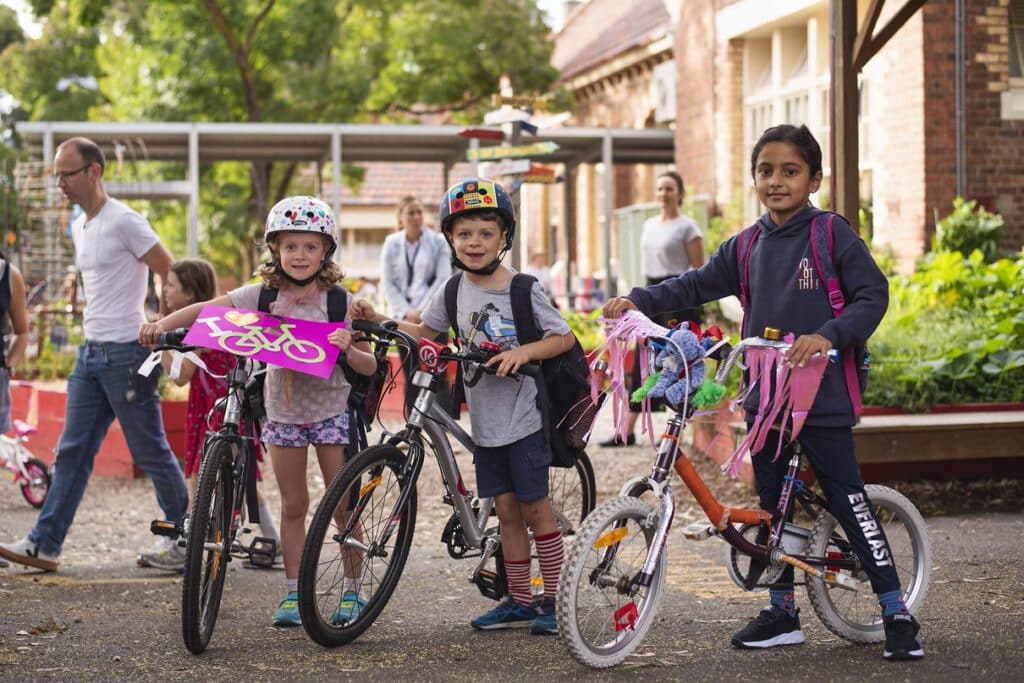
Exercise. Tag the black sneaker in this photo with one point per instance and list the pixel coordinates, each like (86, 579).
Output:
(902, 638)
(616, 442)
(771, 627)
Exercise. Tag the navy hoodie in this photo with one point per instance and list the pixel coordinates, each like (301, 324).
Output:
(784, 292)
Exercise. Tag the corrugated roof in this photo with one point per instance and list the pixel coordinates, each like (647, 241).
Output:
(387, 182)
(603, 29)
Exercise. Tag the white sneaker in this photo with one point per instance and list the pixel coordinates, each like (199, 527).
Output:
(167, 556)
(27, 553)
(159, 545)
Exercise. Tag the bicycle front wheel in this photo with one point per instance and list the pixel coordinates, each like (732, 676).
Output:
(356, 546)
(206, 552)
(38, 483)
(854, 615)
(603, 611)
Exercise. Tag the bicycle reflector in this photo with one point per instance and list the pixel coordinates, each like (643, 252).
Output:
(429, 353)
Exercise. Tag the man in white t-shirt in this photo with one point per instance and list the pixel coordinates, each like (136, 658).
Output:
(115, 248)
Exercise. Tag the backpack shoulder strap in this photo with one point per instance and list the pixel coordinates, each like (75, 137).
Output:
(521, 294)
(821, 243)
(267, 297)
(744, 248)
(337, 304)
(451, 301)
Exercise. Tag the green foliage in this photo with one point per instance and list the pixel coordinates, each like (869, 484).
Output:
(954, 333)
(585, 327)
(967, 228)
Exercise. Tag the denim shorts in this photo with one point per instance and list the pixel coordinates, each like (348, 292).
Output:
(520, 467)
(332, 431)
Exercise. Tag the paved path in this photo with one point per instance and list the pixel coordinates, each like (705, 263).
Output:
(103, 618)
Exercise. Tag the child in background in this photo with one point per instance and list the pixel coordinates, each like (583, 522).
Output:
(302, 410)
(190, 281)
(784, 292)
(478, 219)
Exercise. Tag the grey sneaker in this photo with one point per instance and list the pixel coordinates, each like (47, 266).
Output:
(27, 553)
(165, 555)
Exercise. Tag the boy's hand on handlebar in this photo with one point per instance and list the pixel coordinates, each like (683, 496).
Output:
(617, 306)
(149, 332)
(363, 310)
(806, 346)
(508, 362)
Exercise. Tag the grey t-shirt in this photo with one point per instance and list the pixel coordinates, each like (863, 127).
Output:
(295, 397)
(502, 410)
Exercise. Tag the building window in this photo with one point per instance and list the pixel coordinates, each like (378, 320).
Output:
(1017, 39)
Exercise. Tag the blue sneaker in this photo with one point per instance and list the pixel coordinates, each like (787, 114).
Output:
(287, 613)
(350, 607)
(546, 623)
(508, 614)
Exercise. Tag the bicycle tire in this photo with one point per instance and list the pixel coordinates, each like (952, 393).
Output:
(37, 471)
(595, 635)
(206, 569)
(573, 494)
(854, 615)
(321, 580)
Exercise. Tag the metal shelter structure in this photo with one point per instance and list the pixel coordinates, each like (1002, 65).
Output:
(196, 143)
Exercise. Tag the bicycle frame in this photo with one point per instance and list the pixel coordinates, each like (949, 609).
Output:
(14, 457)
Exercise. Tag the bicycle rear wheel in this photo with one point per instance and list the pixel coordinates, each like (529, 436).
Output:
(573, 494)
(38, 485)
(603, 615)
(854, 615)
(357, 543)
(206, 552)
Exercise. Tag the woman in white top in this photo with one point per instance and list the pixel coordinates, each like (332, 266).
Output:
(670, 245)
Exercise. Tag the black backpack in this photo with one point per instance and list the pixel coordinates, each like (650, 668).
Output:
(563, 389)
(365, 397)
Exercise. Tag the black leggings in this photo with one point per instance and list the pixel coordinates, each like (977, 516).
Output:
(830, 451)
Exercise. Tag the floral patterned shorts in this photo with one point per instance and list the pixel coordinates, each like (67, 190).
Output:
(332, 431)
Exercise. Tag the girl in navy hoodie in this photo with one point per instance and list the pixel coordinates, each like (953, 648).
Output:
(785, 292)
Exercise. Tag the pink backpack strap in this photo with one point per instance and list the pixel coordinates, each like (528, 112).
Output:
(744, 248)
(820, 241)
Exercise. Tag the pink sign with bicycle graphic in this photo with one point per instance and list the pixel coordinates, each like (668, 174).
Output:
(299, 345)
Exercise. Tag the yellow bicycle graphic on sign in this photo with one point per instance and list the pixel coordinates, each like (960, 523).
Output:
(251, 341)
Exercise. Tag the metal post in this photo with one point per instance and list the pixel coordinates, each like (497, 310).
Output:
(192, 227)
(844, 111)
(336, 182)
(606, 159)
(569, 221)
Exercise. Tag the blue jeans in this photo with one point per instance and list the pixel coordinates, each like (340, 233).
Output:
(105, 384)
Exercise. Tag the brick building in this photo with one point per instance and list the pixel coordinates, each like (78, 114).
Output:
(767, 62)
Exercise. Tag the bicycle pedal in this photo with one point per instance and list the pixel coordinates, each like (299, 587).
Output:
(490, 584)
(161, 527)
(699, 531)
(262, 552)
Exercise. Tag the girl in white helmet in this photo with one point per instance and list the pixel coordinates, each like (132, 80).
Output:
(302, 410)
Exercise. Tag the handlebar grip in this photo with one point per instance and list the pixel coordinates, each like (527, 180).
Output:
(173, 337)
(364, 326)
(530, 370)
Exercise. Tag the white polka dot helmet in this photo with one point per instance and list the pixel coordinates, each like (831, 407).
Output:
(302, 214)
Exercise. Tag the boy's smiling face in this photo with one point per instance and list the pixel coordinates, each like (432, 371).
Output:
(477, 241)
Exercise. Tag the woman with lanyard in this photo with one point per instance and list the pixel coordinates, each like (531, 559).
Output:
(414, 263)
(670, 245)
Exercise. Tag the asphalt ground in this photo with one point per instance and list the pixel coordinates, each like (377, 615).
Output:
(103, 618)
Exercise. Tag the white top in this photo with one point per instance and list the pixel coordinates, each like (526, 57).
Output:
(108, 252)
(663, 246)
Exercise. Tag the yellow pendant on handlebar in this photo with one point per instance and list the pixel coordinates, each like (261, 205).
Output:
(373, 483)
(611, 538)
(772, 334)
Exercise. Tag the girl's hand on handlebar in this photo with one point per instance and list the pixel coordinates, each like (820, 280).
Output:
(806, 346)
(149, 332)
(617, 306)
(508, 362)
(341, 337)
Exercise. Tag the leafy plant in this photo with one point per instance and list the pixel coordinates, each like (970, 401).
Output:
(967, 228)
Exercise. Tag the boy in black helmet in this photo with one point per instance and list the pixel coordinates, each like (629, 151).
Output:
(478, 220)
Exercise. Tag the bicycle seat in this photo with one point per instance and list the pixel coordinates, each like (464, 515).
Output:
(23, 428)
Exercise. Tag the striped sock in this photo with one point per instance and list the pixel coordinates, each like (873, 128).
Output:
(518, 573)
(550, 555)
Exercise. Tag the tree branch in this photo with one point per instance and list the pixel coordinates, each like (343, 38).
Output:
(241, 55)
(256, 23)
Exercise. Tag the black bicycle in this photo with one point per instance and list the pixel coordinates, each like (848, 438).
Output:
(360, 536)
(225, 492)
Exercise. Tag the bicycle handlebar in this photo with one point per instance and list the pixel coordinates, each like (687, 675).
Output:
(389, 330)
(754, 343)
(171, 340)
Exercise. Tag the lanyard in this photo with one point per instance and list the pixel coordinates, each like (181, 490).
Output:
(409, 262)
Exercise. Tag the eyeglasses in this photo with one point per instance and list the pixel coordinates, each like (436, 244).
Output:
(64, 175)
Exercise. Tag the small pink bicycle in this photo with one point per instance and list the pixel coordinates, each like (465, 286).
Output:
(21, 467)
